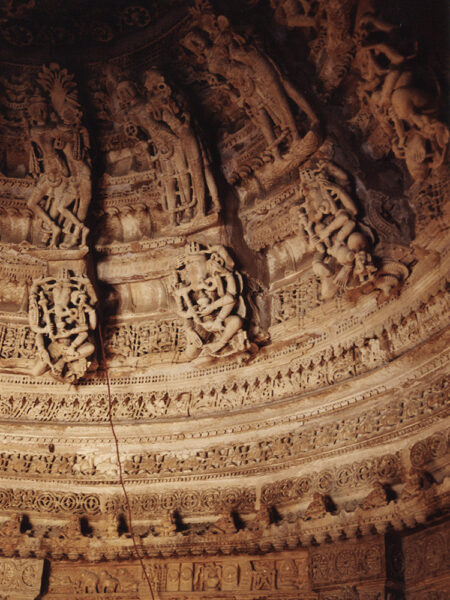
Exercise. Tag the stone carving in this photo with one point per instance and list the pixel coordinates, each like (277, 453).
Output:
(261, 531)
(405, 117)
(429, 198)
(332, 48)
(299, 231)
(103, 24)
(255, 84)
(295, 301)
(328, 217)
(61, 313)
(207, 577)
(376, 498)
(190, 169)
(357, 474)
(208, 292)
(318, 215)
(293, 14)
(429, 450)
(108, 527)
(71, 531)
(426, 562)
(318, 507)
(346, 562)
(225, 524)
(160, 137)
(101, 583)
(17, 342)
(11, 528)
(416, 483)
(20, 578)
(54, 502)
(262, 521)
(304, 374)
(59, 160)
(243, 456)
(218, 577)
(148, 339)
(168, 526)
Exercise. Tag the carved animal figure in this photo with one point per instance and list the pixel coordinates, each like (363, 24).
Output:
(87, 583)
(106, 583)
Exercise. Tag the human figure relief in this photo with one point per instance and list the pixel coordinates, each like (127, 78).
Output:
(208, 577)
(61, 313)
(168, 526)
(329, 218)
(294, 13)
(11, 527)
(208, 294)
(195, 170)
(164, 138)
(333, 49)
(406, 114)
(59, 160)
(317, 508)
(329, 23)
(255, 81)
(62, 193)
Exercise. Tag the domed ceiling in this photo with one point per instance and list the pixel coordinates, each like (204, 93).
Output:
(223, 300)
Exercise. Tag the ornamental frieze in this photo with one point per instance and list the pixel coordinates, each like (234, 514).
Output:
(268, 453)
(310, 373)
(223, 301)
(20, 579)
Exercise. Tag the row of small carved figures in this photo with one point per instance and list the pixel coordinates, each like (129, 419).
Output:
(266, 519)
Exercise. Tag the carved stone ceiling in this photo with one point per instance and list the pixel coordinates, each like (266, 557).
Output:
(51, 23)
(224, 301)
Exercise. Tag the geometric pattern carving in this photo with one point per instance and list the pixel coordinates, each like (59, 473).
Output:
(20, 579)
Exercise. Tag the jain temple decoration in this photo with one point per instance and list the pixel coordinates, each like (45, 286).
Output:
(224, 307)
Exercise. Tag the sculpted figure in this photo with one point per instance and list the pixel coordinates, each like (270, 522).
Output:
(225, 524)
(329, 218)
(208, 294)
(71, 530)
(193, 167)
(11, 527)
(87, 582)
(262, 521)
(59, 160)
(168, 526)
(333, 49)
(376, 498)
(61, 313)
(415, 484)
(294, 13)
(164, 138)
(406, 113)
(127, 582)
(208, 577)
(317, 508)
(108, 527)
(107, 584)
(256, 82)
